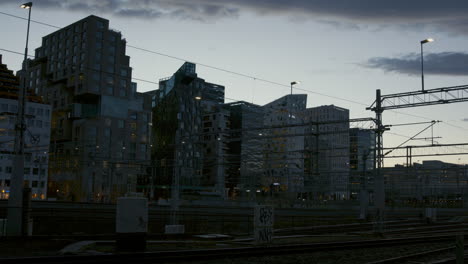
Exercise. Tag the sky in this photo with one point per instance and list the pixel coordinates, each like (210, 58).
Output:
(341, 51)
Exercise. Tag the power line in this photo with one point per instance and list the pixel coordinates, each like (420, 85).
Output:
(226, 71)
(209, 66)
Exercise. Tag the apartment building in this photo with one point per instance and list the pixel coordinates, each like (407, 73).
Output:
(100, 123)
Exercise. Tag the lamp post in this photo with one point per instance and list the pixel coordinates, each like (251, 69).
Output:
(292, 84)
(15, 221)
(422, 60)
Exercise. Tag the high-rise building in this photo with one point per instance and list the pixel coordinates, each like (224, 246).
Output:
(283, 143)
(187, 134)
(100, 123)
(327, 152)
(361, 160)
(244, 154)
(37, 136)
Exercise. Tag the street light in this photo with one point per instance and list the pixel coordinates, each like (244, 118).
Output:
(15, 217)
(27, 5)
(294, 83)
(422, 60)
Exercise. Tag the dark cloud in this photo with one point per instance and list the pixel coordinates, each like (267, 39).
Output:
(465, 119)
(448, 15)
(444, 63)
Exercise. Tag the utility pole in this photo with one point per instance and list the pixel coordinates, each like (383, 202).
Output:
(175, 190)
(379, 178)
(15, 201)
(364, 195)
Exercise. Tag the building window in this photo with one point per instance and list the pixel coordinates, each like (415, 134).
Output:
(107, 132)
(143, 148)
(96, 76)
(123, 92)
(123, 83)
(124, 72)
(100, 24)
(13, 108)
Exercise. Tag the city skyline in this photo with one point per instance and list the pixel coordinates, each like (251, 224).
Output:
(326, 50)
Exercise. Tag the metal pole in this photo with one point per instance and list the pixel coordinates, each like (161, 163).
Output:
(15, 200)
(175, 196)
(363, 194)
(460, 248)
(422, 68)
(379, 178)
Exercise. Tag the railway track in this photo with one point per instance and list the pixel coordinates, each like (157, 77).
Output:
(229, 253)
(415, 256)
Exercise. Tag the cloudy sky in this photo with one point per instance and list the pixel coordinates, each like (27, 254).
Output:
(340, 50)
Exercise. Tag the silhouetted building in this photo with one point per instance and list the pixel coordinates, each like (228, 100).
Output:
(327, 152)
(37, 136)
(184, 144)
(99, 142)
(283, 143)
(361, 160)
(429, 181)
(244, 155)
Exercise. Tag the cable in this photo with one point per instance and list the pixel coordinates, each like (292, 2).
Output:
(231, 72)
(219, 69)
(34, 21)
(208, 66)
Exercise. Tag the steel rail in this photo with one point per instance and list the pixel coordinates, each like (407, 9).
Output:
(209, 254)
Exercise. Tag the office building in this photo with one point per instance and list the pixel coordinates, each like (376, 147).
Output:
(283, 143)
(188, 135)
(361, 160)
(244, 155)
(327, 152)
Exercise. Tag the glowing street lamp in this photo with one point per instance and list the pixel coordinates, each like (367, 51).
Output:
(294, 83)
(422, 60)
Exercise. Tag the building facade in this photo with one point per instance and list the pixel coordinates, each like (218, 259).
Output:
(327, 152)
(244, 154)
(37, 136)
(361, 160)
(188, 135)
(283, 143)
(100, 123)
(429, 182)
